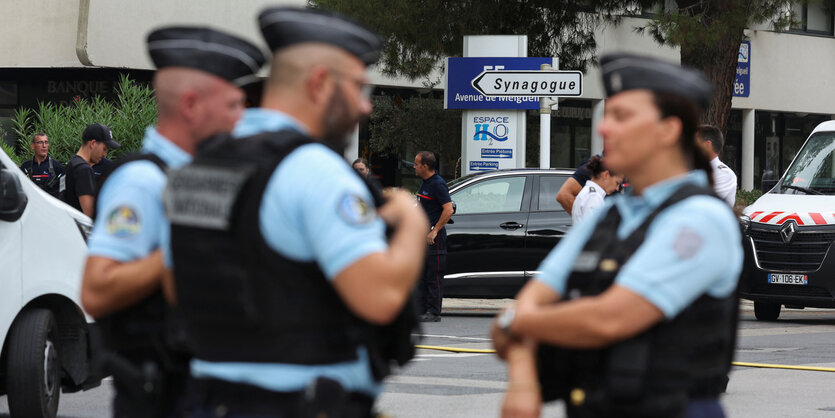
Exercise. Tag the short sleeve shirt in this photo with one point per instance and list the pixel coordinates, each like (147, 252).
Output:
(589, 199)
(724, 181)
(690, 249)
(433, 194)
(131, 223)
(314, 208)
(79, 180)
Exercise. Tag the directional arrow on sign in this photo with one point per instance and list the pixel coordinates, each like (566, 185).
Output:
(530, 83)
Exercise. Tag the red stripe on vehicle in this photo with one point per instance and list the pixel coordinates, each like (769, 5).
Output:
(792, 216)
(770, 216)
(755, 214)
(818, 218)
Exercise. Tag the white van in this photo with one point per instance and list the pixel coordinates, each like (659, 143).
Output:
(790, 231)
(42, 326)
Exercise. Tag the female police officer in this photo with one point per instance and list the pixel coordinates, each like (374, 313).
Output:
(644, 319)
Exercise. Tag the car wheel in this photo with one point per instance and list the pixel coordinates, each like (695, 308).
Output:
(766, 311)
(33, 379)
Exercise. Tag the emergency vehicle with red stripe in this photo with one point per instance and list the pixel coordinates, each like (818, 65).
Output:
(789, 233)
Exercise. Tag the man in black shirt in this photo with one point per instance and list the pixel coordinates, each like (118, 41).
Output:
(433, 195)
(79, 189)
(43, 169)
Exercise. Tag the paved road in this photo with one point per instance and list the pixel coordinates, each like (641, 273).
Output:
(438, 383)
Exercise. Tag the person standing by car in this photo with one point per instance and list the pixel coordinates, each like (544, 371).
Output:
(433, 196)
(197, 97)
(572, 186)
(79, 179)
(634, 311)
(601, 184)
(43, 169)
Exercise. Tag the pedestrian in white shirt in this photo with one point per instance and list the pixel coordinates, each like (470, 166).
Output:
(602, 183)
(710, 140)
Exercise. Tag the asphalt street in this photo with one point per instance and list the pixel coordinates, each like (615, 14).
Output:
(440, 384)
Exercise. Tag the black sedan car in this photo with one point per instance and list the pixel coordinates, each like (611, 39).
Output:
(506, 222)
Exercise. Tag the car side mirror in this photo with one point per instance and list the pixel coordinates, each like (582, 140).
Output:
(12, 199)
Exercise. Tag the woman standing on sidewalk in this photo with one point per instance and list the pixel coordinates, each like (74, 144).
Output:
(634, 311)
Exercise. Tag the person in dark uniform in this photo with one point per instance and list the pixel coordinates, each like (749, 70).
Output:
(101, 170)
(634, 312)
(43, 169)
(79, 183)
(197, 96)
(291, 296)
(433, 196)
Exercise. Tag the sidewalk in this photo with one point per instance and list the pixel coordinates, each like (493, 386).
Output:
(489, 307)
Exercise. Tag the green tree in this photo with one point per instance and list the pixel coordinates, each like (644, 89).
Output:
(127, 116)
(419, 34)
(405, 126)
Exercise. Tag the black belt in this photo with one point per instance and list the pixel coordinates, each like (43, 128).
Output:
(241, 398)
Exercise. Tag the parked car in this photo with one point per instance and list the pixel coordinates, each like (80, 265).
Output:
(43, 330)
(790, 231)
(506, 222)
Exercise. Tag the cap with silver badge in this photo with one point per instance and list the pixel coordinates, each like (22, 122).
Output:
(100, 133)
(623, 72)
(223, 55)
(286, 26)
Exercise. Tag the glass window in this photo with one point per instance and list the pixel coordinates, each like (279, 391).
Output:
(496, 195)
(548, 188)
(8, 94)
(818, 20)
(813, 171)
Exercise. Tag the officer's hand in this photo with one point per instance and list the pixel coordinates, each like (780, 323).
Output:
(501, 341)
(430, 238)
(522, 401)
(399, 205)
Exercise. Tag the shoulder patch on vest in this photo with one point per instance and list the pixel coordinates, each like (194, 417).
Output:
(354, 210)
(687, 243)
(123, 222)
(592, 189)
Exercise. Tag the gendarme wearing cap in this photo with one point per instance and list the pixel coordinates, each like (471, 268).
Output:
(131, 223)
(622, 72)
(226, 56)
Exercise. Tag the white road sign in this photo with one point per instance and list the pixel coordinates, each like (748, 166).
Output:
(530, 83)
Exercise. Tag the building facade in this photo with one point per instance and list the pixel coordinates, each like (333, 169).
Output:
(56, 50)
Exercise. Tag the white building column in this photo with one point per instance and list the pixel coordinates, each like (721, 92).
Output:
(352, 151)
(597, 107)
(747, 170)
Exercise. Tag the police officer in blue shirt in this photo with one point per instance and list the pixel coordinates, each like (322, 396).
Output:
(281, 266)
(197, 96)
(635, 311)
(43, 169)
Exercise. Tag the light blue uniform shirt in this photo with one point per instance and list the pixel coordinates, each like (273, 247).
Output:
(130, 221)
(691, 248)
(307, 214)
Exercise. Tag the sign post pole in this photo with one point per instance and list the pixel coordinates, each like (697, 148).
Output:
(545, 107)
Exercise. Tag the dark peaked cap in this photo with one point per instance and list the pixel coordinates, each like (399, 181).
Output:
(623, 72)
(201, 48)
(285, 26)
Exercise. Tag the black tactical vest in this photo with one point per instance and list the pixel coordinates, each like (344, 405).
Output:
(138, 332)
(241, 300)
(656, 373)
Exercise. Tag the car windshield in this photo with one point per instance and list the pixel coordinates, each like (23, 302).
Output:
(813, 171)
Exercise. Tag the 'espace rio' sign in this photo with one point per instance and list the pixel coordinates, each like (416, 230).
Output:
(460, 72)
